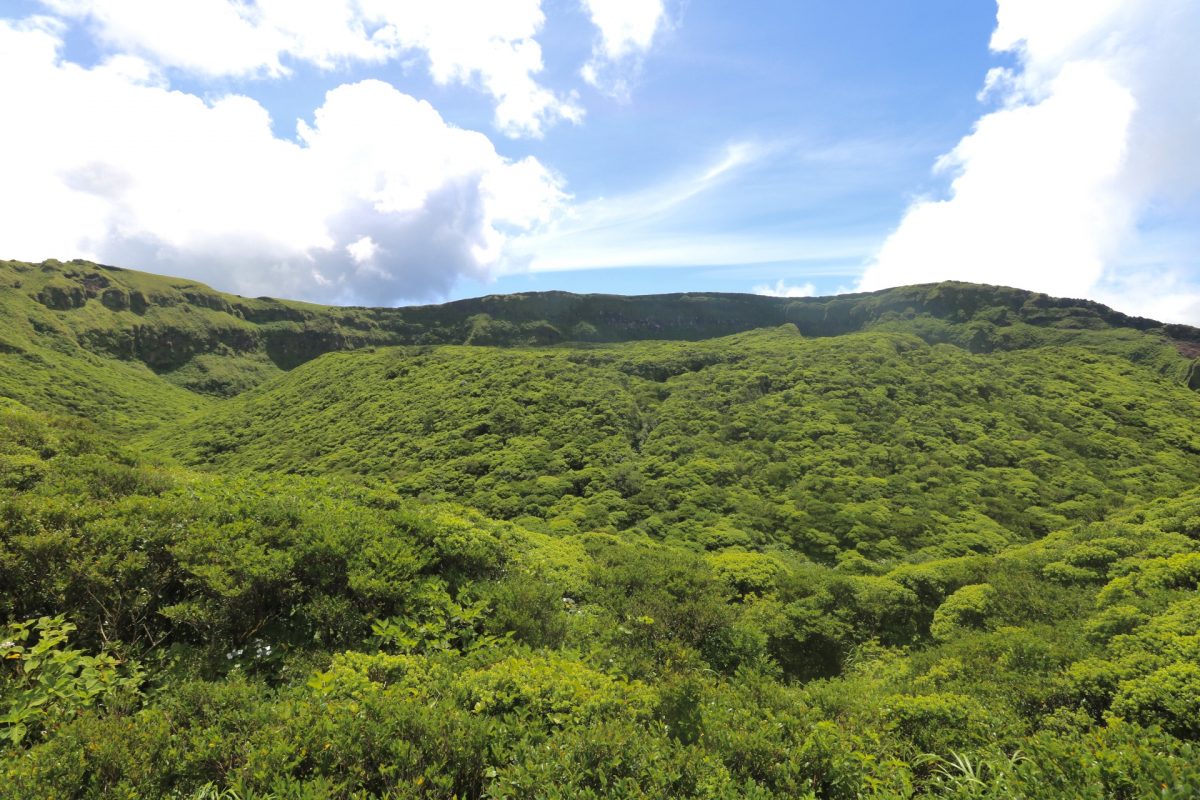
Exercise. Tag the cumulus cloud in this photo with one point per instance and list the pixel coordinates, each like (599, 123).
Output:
(782, 289)
(1093, 134)
(625, 32)
(473, 42)
(377, 199)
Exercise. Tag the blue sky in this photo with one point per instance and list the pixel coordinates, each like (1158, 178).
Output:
(476, 146)
(852, 100)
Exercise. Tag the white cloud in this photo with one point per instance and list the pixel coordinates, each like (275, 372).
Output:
(1095, 132)
(378, 199)
(363, 250)
(781, 289)
(626, 26)
(626, 30)
(480, 42)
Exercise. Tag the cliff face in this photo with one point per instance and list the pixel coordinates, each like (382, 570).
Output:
(204, 340)
(218, 343)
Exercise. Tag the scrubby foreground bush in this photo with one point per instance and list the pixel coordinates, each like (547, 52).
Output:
(175, 634)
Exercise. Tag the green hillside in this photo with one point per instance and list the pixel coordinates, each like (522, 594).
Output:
(873, 442)
(222, 344)
(938, 541)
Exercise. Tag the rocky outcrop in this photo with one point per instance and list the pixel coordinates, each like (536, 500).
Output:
(62, 296)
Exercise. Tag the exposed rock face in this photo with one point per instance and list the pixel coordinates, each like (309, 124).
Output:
(291, 348)
(62, 297)
(166, 347)
(115, 299)
(211, 301)
(73, 290)
(94, 283)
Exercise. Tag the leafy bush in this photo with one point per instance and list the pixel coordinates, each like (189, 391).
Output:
(967, 608)
(46, 682)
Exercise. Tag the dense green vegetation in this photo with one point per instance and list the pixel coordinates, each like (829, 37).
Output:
(942, 542)
(220, 344)
(875, 443)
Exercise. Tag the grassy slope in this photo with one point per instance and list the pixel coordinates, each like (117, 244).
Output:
(44, 366)
(1056, 411)
(221, 344)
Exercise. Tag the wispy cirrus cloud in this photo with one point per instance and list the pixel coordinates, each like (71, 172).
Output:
(688, 220)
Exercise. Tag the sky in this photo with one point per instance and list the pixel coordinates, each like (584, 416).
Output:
(384, 152)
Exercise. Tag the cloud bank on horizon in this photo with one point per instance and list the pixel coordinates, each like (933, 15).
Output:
(1095, 133)
(143, 144)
